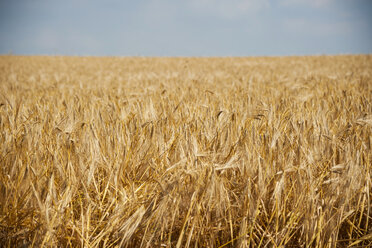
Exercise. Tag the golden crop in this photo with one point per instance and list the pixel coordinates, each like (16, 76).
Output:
(186, 152)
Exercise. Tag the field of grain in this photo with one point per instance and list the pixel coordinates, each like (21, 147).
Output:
(186, 152)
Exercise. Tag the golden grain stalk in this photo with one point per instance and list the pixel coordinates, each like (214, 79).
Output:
(223, 152)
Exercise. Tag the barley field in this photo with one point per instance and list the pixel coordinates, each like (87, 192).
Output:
(186, 152)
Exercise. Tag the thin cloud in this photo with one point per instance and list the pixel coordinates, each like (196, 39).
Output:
(229, 8)
(312, 3)
(52, 41)
(317, 28)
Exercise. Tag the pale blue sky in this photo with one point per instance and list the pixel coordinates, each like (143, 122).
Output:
(185, 27)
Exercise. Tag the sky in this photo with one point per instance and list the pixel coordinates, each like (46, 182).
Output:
(185, 27)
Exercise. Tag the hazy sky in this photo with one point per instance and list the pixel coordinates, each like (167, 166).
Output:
(185, 27)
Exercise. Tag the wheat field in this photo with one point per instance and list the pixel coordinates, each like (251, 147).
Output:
(186, 152)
